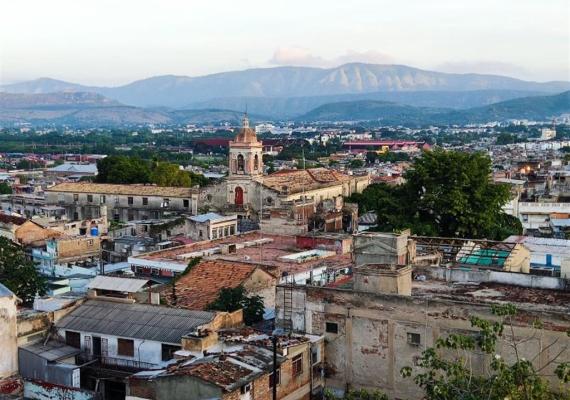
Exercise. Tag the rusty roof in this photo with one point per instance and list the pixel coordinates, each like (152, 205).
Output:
(11, 219)
(220, 372)
(200, 287)
(295, 181)
(135, 190)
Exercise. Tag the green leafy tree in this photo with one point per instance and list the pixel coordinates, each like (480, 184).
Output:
(356, 164)
(447, 371)
(446, 193)
(122, 170)
(371, 157)
(232, 299)
(5, 188)
(19, 274)
(167, 174)
(361, 394)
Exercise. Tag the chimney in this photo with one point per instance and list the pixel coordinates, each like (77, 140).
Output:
(383, 279)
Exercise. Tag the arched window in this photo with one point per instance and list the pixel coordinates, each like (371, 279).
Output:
(240, 163)
(256, 162)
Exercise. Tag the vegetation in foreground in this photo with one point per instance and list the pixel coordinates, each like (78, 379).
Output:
(19, 274)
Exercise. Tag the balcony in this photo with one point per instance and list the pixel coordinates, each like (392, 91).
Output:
(114, 364)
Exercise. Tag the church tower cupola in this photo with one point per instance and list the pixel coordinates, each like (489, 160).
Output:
(245, 163)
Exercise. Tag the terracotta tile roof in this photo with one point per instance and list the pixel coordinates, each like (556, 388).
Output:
(136, 190)
(294, 181)
(201, 285)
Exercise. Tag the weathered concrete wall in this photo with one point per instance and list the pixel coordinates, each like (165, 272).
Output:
(46, 391)
(510, 278)
(8, 336)
(78, 247)
(173, 388)
(373, 339)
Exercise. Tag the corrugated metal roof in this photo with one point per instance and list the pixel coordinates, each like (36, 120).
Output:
(52, 351)
(211, 216)
(139, 321)
(70, 167)
(117, 284)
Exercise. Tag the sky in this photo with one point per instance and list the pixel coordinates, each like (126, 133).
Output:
(103, 42)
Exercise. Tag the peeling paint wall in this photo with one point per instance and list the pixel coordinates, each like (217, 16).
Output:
(8, 337)
(46, 391)
(373, 339)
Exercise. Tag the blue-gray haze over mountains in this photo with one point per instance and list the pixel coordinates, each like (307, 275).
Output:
(271, 93)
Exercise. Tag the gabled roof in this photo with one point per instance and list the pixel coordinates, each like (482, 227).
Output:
(77, 168)
(139, 321)
(201, 285)
(5, 292)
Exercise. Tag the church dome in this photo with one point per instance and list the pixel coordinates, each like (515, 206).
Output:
(246, 134)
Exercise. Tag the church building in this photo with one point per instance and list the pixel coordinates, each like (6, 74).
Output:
(247, 190)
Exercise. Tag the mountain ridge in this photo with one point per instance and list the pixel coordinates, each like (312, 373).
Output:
(179, 91)
(534, 108)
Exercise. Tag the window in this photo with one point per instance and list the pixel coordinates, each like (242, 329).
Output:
(297, 365)
(232, 230)
(186, 203)
(245, 388)
(75, 197)
(165, 202)
(414, 339)
(125, 347)
(73, 339)
(102, 199)
(61, 198)
(214, 233)
(130, 201)
(168, 351)
(90, 198)
(276, 379)
(240, 163)
(256, 162)
(331, 327)
(116, 199)
(145, 201)
(90, 243)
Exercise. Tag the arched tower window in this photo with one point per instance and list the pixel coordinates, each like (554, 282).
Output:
(240, 163)
(256, 162)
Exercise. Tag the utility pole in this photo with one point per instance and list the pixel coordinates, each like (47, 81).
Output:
(274, 341)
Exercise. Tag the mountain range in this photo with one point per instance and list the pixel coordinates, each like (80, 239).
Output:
(387, 113)
(274, 93)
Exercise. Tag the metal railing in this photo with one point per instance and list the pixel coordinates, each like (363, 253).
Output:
(116, 363)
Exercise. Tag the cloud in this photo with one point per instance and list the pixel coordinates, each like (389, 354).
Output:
(296, 56)
(299, 56)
